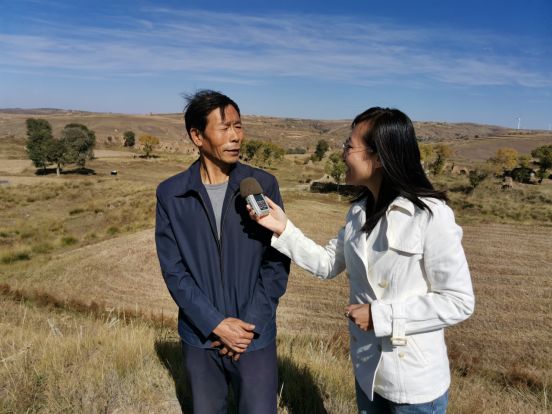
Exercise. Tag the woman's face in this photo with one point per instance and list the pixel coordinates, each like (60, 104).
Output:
(363, 164)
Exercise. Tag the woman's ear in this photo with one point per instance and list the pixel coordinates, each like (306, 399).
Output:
(195, 135)
(377, 161)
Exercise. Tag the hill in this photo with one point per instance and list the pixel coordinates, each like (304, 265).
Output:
(286, 132)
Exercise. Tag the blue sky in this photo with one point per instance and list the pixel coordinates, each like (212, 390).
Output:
(478, 61)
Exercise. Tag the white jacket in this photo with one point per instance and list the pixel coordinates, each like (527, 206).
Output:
(413, 271)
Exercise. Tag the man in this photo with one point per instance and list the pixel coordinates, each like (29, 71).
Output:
(219, 267)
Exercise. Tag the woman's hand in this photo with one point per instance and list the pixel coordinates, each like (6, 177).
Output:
(275, 221)
(361, 315)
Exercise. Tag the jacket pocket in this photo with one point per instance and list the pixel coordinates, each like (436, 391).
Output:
(418, 353)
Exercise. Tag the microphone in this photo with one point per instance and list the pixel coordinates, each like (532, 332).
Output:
(251, 190)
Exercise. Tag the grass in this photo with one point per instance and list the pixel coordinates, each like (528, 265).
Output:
(88, 324)
(12, 257)
(57, 361)
(500, 357)
(524, 203)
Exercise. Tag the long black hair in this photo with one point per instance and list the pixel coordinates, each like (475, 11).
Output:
(391, 135)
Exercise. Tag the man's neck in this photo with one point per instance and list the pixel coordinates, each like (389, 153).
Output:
(212, 173)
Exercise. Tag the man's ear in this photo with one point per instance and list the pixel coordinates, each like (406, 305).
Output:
(196, 137)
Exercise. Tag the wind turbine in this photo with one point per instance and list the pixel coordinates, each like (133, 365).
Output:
(519, 122)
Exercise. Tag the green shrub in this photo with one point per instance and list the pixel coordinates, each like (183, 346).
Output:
(112, 230)
(15, 257)
(43, 247)
(68, 241)
(91, 236)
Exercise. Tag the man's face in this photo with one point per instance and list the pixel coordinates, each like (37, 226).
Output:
(220, 141)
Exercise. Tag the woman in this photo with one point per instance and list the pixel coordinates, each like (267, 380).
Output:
(407, 270)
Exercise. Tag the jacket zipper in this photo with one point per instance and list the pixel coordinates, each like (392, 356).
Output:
(218, 239)
(223, 215)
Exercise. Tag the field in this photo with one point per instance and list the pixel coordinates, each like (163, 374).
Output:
(88, 325)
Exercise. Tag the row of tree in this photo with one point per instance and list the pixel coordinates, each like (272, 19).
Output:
(434, 157)
(75, 145)
(508, 159)
(148, 142)
(261, 152)
(508, 162)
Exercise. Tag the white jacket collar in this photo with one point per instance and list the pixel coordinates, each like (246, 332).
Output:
(402, 203)
(403, 227)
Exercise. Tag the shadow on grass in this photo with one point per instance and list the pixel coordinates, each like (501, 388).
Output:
(76, 171)
(300, 394)
(169, 353)
(465, 189)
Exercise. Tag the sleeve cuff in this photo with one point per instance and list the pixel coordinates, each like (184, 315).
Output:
(209, 325)
(381, 318)
(281, 241)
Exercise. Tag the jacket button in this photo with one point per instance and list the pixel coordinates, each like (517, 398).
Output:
(401, 354)
(383, 284)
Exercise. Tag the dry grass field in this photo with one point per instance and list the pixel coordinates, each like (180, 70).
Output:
(88, 325)
(477, 150)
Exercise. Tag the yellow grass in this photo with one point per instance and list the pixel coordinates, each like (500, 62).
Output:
(54, 361)
(92, 259)
(501, 357)
(14, 166)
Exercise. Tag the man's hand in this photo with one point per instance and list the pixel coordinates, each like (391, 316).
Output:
(224, 351)
(361, 315)
(235, 334)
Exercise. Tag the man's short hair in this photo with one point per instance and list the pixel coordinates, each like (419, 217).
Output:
(201, 104)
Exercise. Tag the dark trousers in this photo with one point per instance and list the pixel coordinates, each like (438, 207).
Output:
(254, 380)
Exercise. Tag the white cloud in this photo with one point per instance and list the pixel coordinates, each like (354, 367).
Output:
(249, 49)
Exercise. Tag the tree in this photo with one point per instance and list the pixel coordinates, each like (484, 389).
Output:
(522, 174)
(148, 142)
(271, 152)
(321, 148)
(476, 177)
(505, 159)
(39, 136)
(261, 152)
(129, 139)
(250, 148)
(543, 156)
(57, 154)
(524, 160)
(79, 144)
(335, 167)
(443, 152)
(434, 156)
(427, 155)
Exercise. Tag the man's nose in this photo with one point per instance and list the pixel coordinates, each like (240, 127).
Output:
(235, 135)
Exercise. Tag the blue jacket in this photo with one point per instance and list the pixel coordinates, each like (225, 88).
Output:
(210, 279)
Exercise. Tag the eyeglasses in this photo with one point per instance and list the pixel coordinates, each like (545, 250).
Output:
(348, 147)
